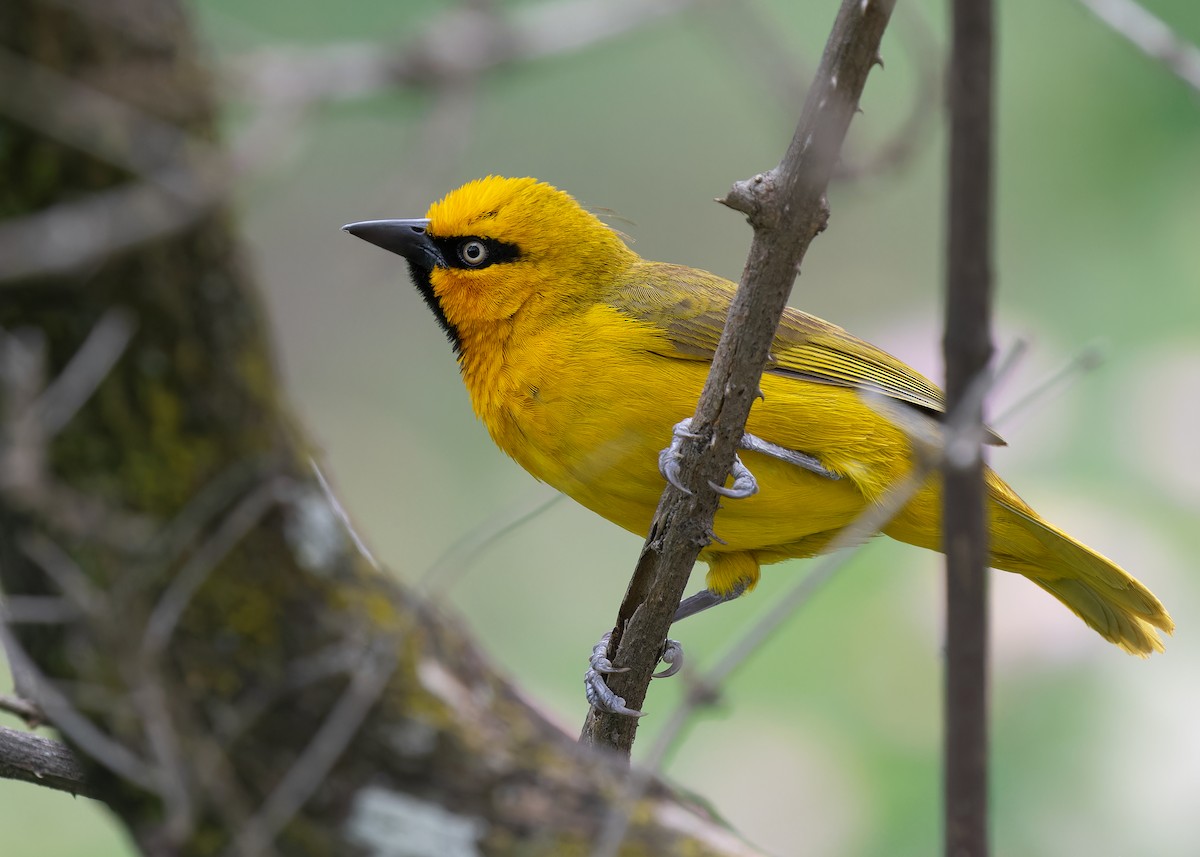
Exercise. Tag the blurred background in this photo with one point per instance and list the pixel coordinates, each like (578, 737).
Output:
(827, 742)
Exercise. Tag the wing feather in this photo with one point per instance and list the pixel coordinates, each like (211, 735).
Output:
(690, 307)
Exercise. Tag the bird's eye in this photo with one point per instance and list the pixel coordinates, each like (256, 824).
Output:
(473, 253)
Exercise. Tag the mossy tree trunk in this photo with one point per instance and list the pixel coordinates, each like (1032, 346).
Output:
(234, 676)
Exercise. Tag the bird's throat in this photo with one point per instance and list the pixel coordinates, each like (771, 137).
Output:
(482, 353)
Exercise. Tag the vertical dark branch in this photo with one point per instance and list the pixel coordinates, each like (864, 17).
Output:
(967, 347)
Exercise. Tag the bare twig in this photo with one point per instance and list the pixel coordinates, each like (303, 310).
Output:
(240, 521)
(458, 45)
(968, 348)
(33, 412)
(148, 697)
(69, 720)
(1085, 361)
(342, 515)
(19, 706)
(22, 440)
(448, 568)
(177, 176)
(67, 576)
(179, 179)
(37, 610)
(90, 365)
(71, 235)
(787, 209)
(64, 109)
(305, 776)
(41, 761)
(1150, 35)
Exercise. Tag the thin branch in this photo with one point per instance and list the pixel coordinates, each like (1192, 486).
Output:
(1150, 35)
(19, 706)
(59, 567)
(1088, 359)
(32, 759)
(109, 129)
(208, 555)
(179, 179)
(343, 516)
(89, 366)
(69, 720)
(968, 348)
(71, 235)
(461, 44)
(307, 773)
(787, 209)
(448, 569)
(32, 408)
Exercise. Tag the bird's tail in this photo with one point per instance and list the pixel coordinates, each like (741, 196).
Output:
(1097, 590)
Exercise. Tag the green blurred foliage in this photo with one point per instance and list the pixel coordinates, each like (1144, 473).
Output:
(827, 742)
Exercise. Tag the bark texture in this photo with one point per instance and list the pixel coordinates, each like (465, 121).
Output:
(233, 676)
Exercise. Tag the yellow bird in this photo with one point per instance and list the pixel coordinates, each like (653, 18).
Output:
(580, 357)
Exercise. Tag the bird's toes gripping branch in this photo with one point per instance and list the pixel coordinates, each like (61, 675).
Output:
(744, 484)
(598, 693)
(669, 458)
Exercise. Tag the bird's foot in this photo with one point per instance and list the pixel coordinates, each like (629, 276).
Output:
(597, 691)
(601, 697)
(744, 484)
(703, 600)
(672, 656)
(754, 443)
(669, 458)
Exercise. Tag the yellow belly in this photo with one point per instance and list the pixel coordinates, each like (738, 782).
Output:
(594, 432)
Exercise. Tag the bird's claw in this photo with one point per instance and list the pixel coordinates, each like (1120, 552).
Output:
(599, 660)
(669, 458)
(672, 656)
(744, 484)
(599, 695)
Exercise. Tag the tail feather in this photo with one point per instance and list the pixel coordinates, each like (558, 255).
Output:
(1135, 634)
(1097, 590)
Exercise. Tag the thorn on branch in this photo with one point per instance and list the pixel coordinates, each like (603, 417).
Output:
(752, 198)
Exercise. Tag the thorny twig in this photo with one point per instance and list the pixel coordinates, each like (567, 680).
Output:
(787, 209)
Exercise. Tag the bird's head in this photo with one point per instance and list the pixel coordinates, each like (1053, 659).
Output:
(497, 246)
